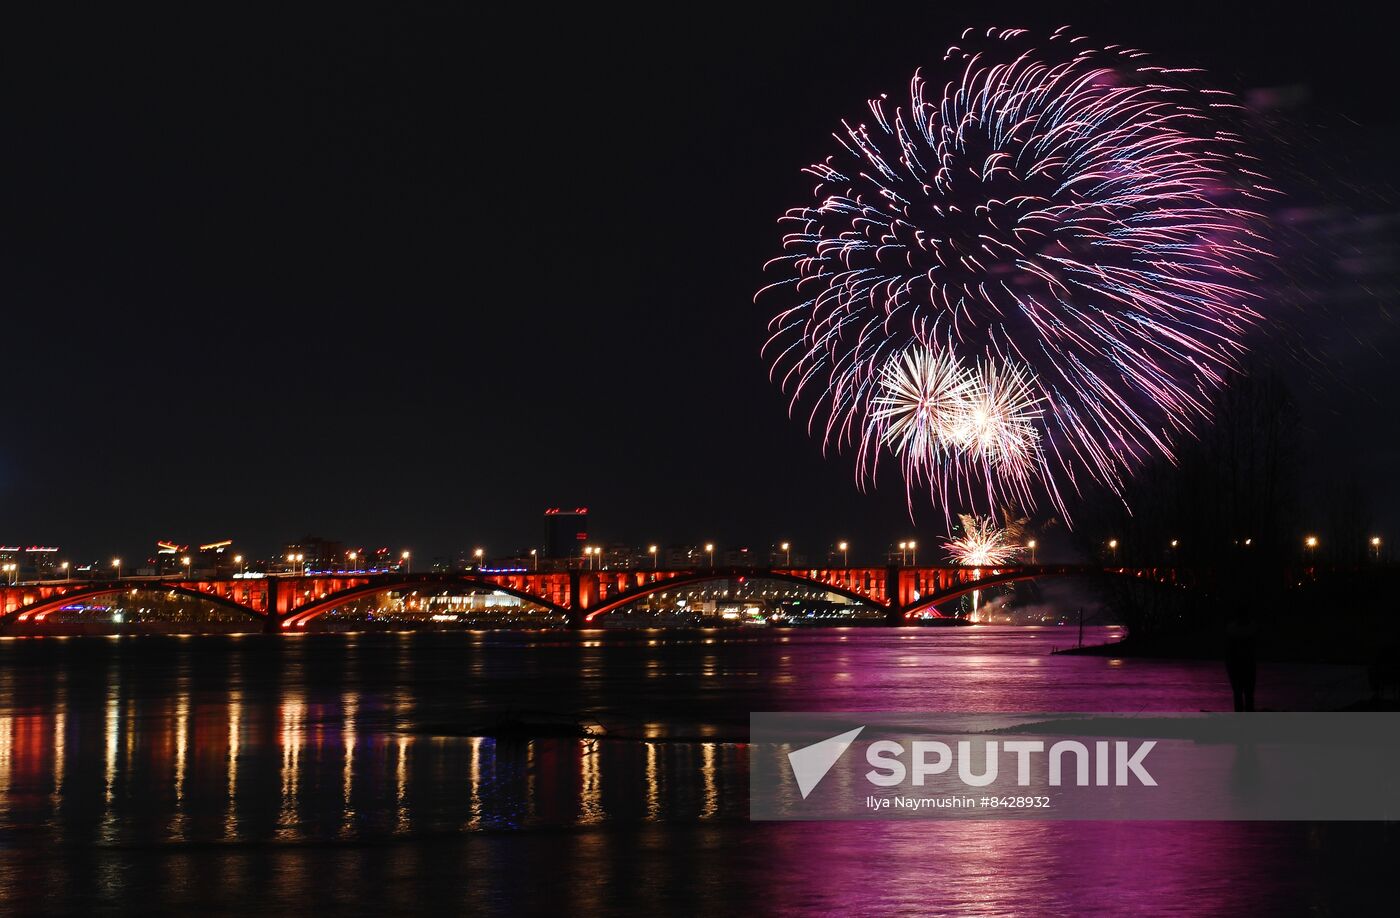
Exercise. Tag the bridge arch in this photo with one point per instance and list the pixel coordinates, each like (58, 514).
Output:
(616, 602)
(299, 616)
(998, 577)
(38, 610)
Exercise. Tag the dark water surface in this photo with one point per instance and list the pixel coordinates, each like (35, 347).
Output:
(285, 774)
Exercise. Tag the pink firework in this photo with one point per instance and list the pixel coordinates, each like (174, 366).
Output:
(1037, 278)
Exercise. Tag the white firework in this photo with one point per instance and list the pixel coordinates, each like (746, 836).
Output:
(923, 400)
(943, 420)
(983, 543)
(998, 425)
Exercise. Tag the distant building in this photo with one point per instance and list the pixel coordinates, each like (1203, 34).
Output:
(738, 557)
(311, 554)
(32, 562)
(382, 559)
(167, 560)
(566, 533)
(216, 559)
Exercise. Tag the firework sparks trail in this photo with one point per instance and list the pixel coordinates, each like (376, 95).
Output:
(1035, 280)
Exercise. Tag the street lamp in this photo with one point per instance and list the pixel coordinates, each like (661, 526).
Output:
(1031, 546)
(845, 554)
(710, 548)
(479, 554)
(651, 550)
(117, 563)
(588, 555)
(914, 552)
(185, 563)
(787, 552)
(903, 552)
(238, 559)
(64, 567)
(1113, 548)
(1376, 547)
(407, 558)
(1310, 543)
(535, 558)
(352, 557)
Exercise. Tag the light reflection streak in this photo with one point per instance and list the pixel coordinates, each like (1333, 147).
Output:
(182, 737)
(474, 777)
(530, 795)
(590, 794)
(350, 703)
(293, 728)
(60, 748)
(111, 739)
(401, 785)
(235, 729)
(708, 774)
(7, 744)
(653, 783)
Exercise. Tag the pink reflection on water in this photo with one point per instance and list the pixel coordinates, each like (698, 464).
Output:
(1036, 868)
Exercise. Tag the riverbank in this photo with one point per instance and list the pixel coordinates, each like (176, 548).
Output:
(1285, 646)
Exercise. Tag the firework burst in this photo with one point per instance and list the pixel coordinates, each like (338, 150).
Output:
(1035, 279)
(983, 543)
(921, 408)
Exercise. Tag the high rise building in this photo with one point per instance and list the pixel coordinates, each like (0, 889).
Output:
(566, 531)
(313, 554)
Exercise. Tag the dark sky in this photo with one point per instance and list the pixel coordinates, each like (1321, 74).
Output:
(407, 280)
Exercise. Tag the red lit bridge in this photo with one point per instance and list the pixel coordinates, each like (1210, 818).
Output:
(289, 602)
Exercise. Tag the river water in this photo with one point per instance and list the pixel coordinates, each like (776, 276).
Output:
(350, 771)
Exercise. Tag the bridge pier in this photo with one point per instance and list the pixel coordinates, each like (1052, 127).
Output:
(272, 615)
(578, 601)
(894, 607)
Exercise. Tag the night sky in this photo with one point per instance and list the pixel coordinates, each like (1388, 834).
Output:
(409, 280)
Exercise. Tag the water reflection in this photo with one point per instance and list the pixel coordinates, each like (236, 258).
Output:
(189, 770)
(235, 727)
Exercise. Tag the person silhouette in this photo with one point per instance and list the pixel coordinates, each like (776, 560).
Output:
(1240, 654)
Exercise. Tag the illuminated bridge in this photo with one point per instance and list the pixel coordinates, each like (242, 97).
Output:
(289, 602)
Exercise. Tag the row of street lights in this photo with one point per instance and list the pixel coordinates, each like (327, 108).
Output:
(593, 556)
(299, 558)
(294, 559)
(1310, 544)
